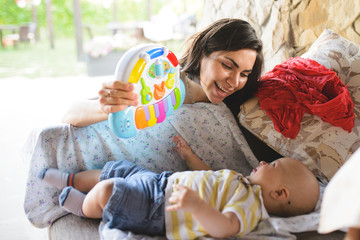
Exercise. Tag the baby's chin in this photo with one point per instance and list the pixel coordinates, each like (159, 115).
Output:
(249, 178)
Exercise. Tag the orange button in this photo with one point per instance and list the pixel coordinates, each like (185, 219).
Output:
(140, 118)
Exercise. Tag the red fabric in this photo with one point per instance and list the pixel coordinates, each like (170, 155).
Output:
(302, 85)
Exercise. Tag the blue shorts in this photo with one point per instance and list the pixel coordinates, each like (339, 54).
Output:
(137, 200)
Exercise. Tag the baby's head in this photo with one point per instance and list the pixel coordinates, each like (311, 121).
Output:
(288, 187)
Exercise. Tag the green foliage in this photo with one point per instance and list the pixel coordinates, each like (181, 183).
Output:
(39, 60)
(35, 60)
(93, 13)
(10, 13)
(63, 20)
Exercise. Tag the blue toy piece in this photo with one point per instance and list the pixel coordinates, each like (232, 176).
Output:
(155, 72)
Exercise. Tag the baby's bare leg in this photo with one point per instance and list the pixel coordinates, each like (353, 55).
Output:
(96, 200)
(86, 180)
(83, 181)
(90, 205)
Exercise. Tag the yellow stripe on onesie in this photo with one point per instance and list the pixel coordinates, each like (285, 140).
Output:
(188, 217)
(226, 186)
(255, 210)
(203, 187)
(247, 207)
(175, 226)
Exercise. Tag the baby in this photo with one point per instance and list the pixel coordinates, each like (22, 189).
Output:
(188, 204)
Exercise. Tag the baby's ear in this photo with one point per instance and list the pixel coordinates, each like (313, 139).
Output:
(281, 193)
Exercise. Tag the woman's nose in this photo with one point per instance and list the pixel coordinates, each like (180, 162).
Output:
(263, 163)
(237, 81)
(234, 81)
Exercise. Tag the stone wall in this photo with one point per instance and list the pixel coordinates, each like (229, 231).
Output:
(288, 27)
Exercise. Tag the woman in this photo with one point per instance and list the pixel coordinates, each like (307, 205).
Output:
(221, 63)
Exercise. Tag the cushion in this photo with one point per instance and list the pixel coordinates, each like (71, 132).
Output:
(321, 146)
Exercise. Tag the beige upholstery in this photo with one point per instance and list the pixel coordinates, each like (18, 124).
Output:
(71, 227)
(74, 227)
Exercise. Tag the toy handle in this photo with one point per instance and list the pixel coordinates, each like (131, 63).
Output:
(122, 123)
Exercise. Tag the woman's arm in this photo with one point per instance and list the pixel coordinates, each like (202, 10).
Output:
(217, 224)
(185, 152)
(84, 113)
(114, 96)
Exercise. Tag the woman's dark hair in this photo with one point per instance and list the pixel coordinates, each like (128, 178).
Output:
(225, 35)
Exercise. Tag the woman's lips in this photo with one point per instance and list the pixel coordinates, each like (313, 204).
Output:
(221, 88)
(221, 91)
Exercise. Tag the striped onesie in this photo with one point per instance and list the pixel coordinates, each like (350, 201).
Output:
(224, 190)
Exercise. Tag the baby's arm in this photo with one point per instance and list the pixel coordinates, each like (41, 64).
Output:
(217, 224)
(185, 152)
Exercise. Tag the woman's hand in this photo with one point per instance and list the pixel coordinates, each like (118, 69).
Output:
(116, 96)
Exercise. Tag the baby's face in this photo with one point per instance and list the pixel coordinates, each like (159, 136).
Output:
(291, 174)
(270, 173)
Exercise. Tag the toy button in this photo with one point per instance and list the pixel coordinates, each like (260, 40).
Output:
(145, 92)
(151, 71)
(156, 52)
(140, 118)
(137, 71)
(172, 58)
(159, 90)
(170, 80)
(160, 110)
(166, 66)
(173, 99)
(178, 98)
(152, 119)
(147, 113)
(159, 69)
(165, 104)
(170, 107)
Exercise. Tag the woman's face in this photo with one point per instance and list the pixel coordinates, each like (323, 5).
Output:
(223, 73)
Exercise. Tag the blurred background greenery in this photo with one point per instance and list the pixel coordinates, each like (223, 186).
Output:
(38, 59)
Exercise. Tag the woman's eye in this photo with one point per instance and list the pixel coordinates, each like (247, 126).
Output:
(244, 75)
(226, 66)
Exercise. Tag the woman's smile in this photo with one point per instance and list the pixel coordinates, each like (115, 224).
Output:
(222, 92)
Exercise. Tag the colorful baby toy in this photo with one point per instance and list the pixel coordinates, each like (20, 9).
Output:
(155, 72)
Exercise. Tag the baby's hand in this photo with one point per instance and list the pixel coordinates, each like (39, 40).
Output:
(186, 154)
(183, 198)
(182, 148)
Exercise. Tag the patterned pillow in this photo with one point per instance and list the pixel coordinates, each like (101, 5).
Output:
(321, 146)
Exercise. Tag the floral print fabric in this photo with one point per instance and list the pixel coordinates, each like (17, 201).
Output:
(210, 130)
